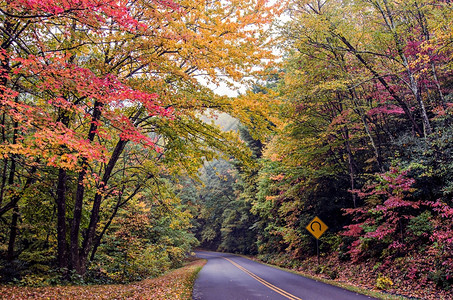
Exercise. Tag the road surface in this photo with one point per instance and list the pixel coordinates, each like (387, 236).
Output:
(231, 277)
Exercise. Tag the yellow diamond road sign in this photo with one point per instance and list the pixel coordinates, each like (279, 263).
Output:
(316, 227)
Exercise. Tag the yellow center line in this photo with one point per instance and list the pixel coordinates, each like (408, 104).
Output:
(259, 279)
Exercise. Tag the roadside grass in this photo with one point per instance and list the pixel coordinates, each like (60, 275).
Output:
(175, 285)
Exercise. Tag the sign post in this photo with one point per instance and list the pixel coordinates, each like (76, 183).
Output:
(317, 227)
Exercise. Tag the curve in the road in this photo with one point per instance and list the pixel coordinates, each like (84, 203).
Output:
(262, 281)
(230, 277)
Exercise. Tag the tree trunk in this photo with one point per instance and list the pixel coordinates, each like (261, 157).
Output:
(5, 162)
(377, 153)
(12, 233)
(413, 84)
(94, 218)
(13, 227)
(98, 238)
(62, 245)
(61, 219)
(363, 117)
(75, 225)
(350, 165)
(78, 203)
(120, 202)
(3, 183)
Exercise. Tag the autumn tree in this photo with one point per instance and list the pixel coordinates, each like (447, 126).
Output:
(83, 82)
(362, 81)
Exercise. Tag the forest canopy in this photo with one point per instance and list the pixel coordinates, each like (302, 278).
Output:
(101, 115)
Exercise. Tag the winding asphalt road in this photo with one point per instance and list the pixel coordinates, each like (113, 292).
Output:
(231, 277)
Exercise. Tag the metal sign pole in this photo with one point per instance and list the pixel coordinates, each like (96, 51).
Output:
(317, 249)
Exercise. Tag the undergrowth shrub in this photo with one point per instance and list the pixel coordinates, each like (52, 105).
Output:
(383, 282)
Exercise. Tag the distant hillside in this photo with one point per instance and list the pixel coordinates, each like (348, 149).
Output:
(224, 120)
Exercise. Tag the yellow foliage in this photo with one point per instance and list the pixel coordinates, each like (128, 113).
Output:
(383, 282)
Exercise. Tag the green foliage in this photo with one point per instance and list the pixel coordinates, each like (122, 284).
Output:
(430, 161)
(442, 278)
(238, 235)
(150, 235)
(224, 221)
(421, 226)
(330, 242)
(147, 238)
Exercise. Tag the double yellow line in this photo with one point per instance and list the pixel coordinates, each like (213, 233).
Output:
(260, 280)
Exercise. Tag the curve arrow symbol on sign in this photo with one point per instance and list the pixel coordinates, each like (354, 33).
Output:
(315, 222)
(316, 227)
